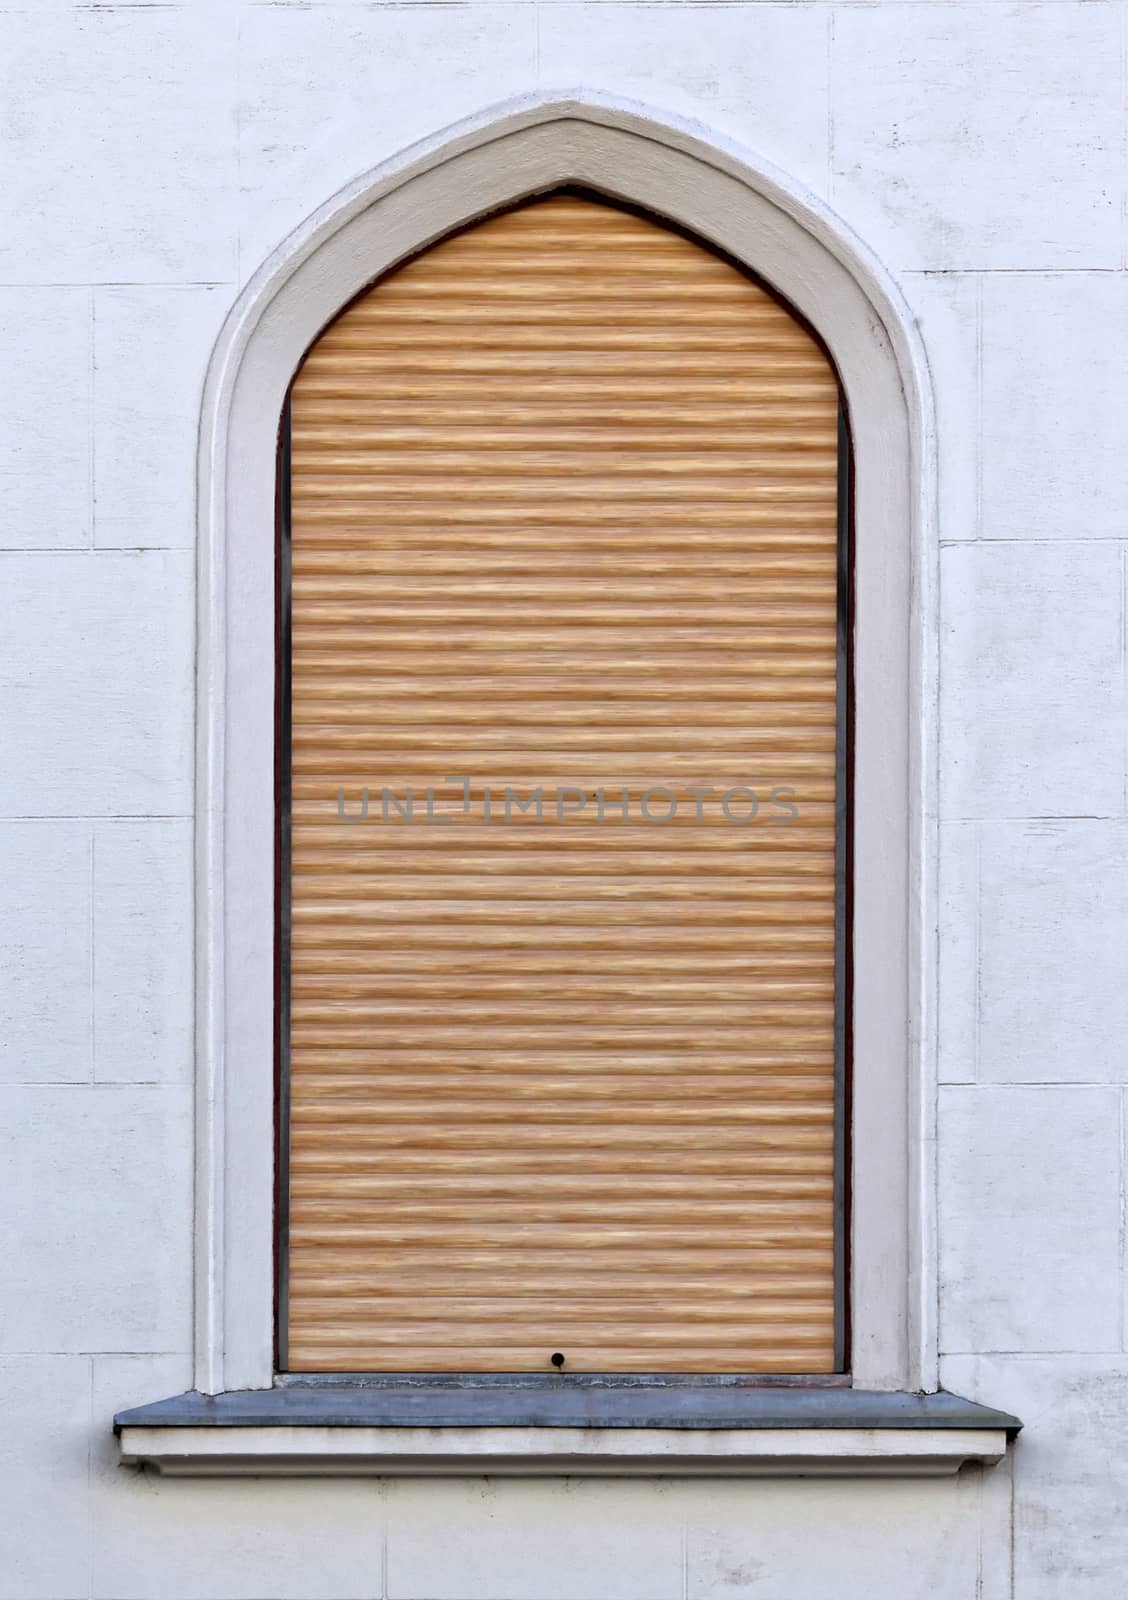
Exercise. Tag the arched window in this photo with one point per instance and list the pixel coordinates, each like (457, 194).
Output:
(563, 844)
(436, 562)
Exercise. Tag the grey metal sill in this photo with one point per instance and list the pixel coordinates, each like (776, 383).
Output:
(578, 1424)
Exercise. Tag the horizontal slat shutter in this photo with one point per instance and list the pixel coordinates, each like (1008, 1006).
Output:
(564, 512)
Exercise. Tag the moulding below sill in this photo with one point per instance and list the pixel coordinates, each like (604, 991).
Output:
(377, 1430)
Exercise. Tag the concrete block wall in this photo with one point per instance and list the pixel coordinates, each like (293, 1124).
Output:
(155, 153)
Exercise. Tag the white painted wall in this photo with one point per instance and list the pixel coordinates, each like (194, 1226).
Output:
(155, 154)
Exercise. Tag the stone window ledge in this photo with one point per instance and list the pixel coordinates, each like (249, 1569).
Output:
(576, 1425)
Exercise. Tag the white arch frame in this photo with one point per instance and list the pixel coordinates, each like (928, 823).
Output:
(793, 241)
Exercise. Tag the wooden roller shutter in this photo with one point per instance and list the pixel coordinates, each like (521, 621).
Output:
(564, 513)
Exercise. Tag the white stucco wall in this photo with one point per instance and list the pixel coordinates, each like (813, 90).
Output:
(155, 153)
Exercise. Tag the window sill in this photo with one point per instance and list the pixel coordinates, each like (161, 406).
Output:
(569, 1425)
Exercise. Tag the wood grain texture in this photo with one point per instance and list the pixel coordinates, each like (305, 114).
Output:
(564, 514)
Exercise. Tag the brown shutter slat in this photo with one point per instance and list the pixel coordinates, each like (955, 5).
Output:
(564, 512)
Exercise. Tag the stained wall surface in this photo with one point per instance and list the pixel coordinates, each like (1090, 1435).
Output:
(156, 154)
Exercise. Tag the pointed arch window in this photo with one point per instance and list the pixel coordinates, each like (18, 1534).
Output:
(572, 1024)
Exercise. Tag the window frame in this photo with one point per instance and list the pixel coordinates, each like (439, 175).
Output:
(808, 257)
